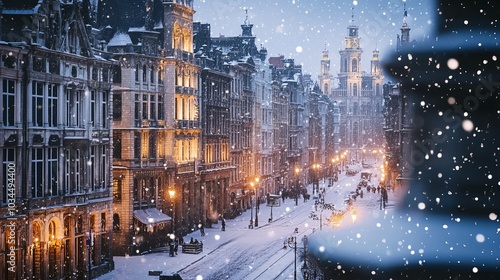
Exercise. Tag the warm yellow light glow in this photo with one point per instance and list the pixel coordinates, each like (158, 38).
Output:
(171, 193)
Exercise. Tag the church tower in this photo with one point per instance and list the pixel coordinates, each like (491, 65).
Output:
(350, 61)
(248, 40)
(325, 79)
(359, 99)
(405, 31)
(375, 63)
(178, 26)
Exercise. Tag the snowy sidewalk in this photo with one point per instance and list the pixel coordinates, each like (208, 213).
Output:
(138, 267)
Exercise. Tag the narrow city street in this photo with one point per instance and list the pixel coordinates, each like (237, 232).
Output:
(264, 251)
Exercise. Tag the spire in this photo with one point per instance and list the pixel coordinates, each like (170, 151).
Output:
(405, 30)
(405, 15)
(353, 29)
(246, 26)
(352, 15)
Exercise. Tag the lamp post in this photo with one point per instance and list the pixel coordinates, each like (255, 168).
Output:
(257, 202)
(305, 269)
(292, 243)
(316, 178)
(90, 253)
(171, 193)
(251, 207)
(271, 218)
(297, 170)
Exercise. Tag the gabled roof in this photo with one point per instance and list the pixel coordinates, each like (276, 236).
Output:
(120, 39)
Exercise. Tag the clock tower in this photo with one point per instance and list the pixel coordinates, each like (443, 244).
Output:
(325, 78)
(350, 61)
(359, 99)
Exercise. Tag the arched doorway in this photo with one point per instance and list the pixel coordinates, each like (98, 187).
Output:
(54, 250)
(68, 244)
(37, 251)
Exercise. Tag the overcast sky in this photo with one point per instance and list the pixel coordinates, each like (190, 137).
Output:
(301, 29)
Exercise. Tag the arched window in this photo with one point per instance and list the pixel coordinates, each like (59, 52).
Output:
(160, 75)
(344, 68)
(354, 65)
(37, 232)
(355, 89)
(176, 39)
(355, 133)
(186, 40)
(152, 75)
(116, 222)
(377, 89)
(37, 238)
(52, 230)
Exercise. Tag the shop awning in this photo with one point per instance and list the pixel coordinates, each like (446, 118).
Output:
(151, 216)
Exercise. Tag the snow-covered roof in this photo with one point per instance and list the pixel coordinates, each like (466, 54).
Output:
(135, 29)
(120, 39)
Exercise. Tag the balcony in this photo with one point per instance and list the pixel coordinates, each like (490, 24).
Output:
(68, 200)
(76, 133)
(181, 55)
(187, 124)
(184, 90)
(185, 168)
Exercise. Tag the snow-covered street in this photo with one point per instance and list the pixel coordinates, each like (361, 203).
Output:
(259, 253)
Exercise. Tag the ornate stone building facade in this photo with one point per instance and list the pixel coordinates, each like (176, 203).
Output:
(215, 108)
(55, 137)
(359, 98)
(242, 58)
(156, 184)
(398, 124)
(289, 77)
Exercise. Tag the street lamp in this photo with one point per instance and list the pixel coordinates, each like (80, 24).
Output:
(297, 170)
(171, 193)
(257, 202)
(305, 269)
(251, 206)
(271, 218)
(90, 244)
(354, 216)
(292, 243)
(316, 178)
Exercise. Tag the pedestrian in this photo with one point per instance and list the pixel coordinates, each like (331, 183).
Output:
(202, 228)
(171, 247)
(223, 224)
(176, 245)
(191, 241)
